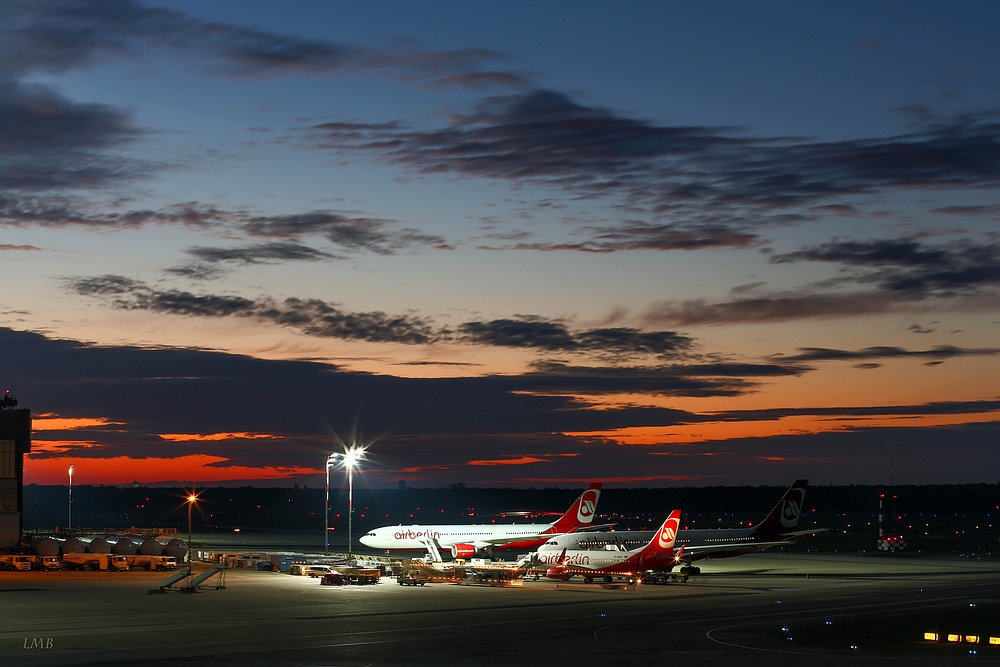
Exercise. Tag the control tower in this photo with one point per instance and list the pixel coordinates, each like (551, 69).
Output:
(15, 442)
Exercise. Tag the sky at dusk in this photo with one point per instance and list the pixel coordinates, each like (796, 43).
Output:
(515, 244)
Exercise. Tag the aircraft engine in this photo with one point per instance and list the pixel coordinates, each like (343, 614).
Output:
(463, 550)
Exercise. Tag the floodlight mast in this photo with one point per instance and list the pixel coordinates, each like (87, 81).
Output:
(331, 460)
(190, 501)
(70, 526)
(349, 460)
(351, 457)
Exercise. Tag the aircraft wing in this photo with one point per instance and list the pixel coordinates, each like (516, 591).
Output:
(803, 533)
(590, 529)
(709, 549)
(496, 541)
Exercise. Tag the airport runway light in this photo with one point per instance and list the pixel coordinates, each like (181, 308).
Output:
(70, 526)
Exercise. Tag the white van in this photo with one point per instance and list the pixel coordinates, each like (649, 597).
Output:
(317, 570)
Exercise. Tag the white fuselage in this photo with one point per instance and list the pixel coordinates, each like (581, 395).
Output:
(392, 538)
(586, 559)
(738, 540)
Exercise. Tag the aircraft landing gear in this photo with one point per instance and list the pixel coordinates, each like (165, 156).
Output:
(588, 580)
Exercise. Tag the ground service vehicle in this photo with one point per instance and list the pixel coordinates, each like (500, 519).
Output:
(19, 562)
(412, 578)
(51, 563)
(317, 570)
(152, 562)
(95, 562)
(332, 579)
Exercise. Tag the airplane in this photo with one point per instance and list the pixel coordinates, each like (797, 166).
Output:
(465, 541)
(701, 543)
(590, 563)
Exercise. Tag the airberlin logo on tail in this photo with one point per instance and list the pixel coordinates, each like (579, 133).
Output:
(667, 534)
(791, 507)
(588, 505)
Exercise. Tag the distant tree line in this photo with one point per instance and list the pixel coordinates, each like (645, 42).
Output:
(302, 508)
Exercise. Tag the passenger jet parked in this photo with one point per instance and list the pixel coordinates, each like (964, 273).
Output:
(775, 530)
(591, 563)
(465, 541)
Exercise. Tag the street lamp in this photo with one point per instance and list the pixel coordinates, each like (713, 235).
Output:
(349, 459)
(331, 460)
(192, 497)
(70, 527)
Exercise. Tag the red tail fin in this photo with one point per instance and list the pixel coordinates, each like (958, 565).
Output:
(581, 513)
(785, 514)
(662, 543)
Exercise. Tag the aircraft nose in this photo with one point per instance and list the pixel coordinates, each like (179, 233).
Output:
(365, 540)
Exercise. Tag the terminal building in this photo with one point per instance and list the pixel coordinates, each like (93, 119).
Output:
(15, 442)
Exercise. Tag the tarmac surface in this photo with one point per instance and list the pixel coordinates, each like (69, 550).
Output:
(732, 614)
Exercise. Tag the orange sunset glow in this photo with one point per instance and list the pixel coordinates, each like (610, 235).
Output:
(193, 468)
(710, 431)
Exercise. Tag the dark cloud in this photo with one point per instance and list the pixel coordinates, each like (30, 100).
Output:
(786, 307)
(907, 266)
(642, 236)
(381, 236)
(934, 408)
(195, 271)
(148, 392)
(771, 308)
(60, 35)
(892, 252)
(886, 352)
(260, 253)
(315, 317)
(544, 136)
(54, 211)
(719, 379)
(975, 211)
(310, 316)
(356, 233)
(64, 34)
(907, 276)
(14, 247)
(47, 141)
(550, 336)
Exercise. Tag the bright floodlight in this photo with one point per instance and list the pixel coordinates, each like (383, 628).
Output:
(353, 455)
(192, 498)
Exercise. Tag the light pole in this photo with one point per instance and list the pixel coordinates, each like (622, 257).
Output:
(348, 459)
(351, 458)
(70, 527)
(190, 500)
(330, 461)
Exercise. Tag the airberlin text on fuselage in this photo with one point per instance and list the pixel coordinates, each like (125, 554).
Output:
(552, 558)
(415, 535)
